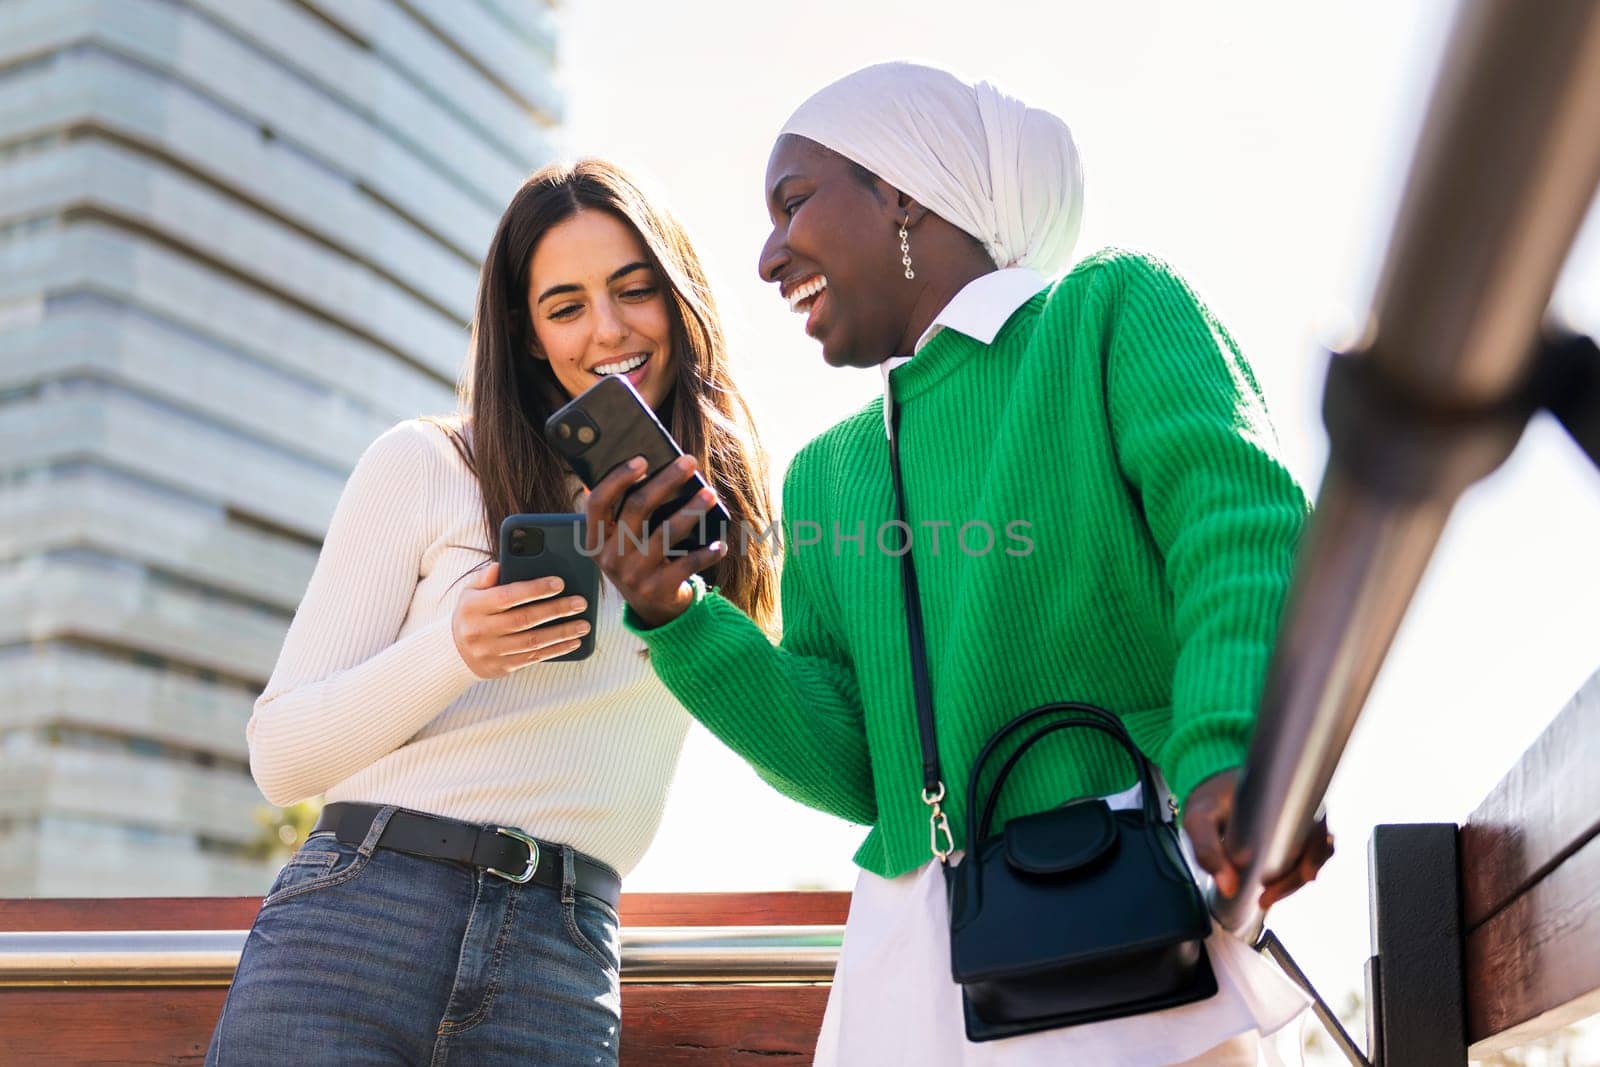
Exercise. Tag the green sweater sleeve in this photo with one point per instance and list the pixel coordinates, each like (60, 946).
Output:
(1192, 436)
(793, 711)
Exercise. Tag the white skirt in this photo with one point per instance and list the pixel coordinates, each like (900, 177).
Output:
(893, 1000)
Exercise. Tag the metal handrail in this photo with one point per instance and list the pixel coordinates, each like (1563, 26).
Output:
(650, 955)
(1505, 170)
(731, 954)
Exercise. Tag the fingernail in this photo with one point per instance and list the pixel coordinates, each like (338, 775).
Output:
(583, 628)
(636, 463)
(554, 585)
(575, 604)
(719, 547)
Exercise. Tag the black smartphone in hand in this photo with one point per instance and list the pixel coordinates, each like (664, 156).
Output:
(609, 424)
(551, 546)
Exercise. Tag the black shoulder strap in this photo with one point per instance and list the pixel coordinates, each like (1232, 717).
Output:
(922, 684)
(933, 790)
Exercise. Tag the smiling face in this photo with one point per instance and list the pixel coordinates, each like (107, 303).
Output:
(834, 253)
(599, 308)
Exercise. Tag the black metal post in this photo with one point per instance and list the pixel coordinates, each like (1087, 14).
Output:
(1416, 1011)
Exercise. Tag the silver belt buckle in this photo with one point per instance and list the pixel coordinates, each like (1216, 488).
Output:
(533, 856)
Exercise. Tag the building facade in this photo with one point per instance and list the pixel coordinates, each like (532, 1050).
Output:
(238, 240)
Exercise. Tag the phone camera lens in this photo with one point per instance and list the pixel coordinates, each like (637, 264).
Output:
(572, 432)
(527, 541)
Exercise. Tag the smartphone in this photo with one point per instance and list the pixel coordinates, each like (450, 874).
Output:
(551, 546)
(609, 424)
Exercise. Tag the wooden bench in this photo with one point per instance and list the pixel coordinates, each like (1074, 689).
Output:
(665, 1023)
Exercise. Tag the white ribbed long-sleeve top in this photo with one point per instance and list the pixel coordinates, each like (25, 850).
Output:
(371, 701)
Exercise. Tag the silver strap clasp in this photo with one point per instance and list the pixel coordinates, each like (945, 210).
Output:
(938, 825)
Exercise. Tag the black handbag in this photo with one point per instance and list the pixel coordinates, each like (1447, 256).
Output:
(1070, 915)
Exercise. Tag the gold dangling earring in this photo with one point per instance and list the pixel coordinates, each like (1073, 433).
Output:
(905, 248)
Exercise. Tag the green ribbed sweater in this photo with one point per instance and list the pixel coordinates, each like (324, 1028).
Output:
(1113, 415)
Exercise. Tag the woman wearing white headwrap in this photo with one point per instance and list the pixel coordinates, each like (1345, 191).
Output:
(1099, 516)
(1005, 173)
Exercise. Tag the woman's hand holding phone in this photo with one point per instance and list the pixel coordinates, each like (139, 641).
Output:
(652, 578)
(499, 629)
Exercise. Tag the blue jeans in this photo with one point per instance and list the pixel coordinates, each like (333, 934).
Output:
(362, 955)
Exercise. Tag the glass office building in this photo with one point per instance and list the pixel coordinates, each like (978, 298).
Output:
(238, 240)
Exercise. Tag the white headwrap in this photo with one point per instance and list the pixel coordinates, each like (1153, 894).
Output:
(1004, 172)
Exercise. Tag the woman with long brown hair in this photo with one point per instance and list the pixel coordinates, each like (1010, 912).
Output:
(456, 901)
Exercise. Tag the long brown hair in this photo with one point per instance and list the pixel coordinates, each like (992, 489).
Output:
(508, 393)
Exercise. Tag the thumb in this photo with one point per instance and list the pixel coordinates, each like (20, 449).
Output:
(1227, 878)
(488, 578)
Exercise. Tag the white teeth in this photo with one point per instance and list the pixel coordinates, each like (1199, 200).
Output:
(805, 292)
(621, 366)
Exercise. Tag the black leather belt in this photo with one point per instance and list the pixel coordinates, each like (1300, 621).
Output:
(501, 850)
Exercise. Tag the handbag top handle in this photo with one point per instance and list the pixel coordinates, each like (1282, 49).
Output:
(1091, 718)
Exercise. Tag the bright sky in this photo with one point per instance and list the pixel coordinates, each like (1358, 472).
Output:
(1259, 147)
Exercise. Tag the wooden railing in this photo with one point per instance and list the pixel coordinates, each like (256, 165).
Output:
(56, 1016)
(1487, 935)
(1530, 893)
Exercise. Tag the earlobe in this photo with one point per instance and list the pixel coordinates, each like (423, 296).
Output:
(908, 211)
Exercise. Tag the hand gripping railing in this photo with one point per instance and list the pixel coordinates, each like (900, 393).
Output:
(1435, 394)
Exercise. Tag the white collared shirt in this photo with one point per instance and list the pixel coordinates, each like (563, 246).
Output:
(979, 310)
